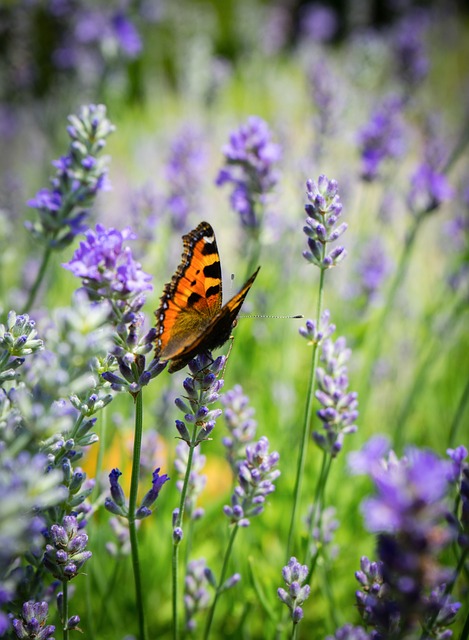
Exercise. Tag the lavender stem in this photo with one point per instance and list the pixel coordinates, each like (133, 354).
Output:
(38, 281)
(132, 508)
(307, 421)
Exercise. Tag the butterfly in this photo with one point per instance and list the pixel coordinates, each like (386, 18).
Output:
(191, 318)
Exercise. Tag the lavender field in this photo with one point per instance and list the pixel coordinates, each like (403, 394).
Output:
(309, 478)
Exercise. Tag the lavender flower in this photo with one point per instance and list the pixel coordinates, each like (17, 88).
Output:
(294, 575)
(323, 87)
(410, 58)
(185, 171)
(324, 209)
(409, 513)
(256, 477)
(18, 338)
(339, 410)
(126, 34)
(372, 270)
(382, 138)
(80, 175)
(322, 525)
(250, 159)
(197, 481)
(429, 188)
(202, 389)
(350, 632)
(107, 267)
(121, 531)
(240, 423)
(32, 623)
(316, 335)
(196, 596)
(66, 553)
(149, 499)
(319, 22)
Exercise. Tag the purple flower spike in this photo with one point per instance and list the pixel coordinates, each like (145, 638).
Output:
(185, 172)
(382, 138)
(323, 209)
(256, 477)
(241, 425)
(32, 623)
(196, 595)
(294, 575)
(250, 160)
(405, 589)
(197, 480)
(107, 268)
(339, 410)
(80, 174)
(150, 497)
(66, 554)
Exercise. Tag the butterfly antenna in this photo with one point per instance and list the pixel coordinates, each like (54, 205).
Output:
(300, 315)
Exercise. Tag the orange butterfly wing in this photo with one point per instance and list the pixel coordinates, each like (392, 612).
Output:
(191, 318)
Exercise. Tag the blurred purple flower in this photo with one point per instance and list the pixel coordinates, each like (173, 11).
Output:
(107, 267)
(410, 513)
(185, 172)
(350, 632)
(408, 46)
(324, 94)
(369, 457)
(250, 160)
(429, 188)
(319, 22)
(240, 423)
(126, 34)
(196, 596)
(372, 269)
(256, 477)
(382, 138)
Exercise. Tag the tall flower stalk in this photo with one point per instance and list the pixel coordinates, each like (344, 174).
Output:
(256, 477)
(80, 175)
(110, 275)
(324, 209)
(201, 390)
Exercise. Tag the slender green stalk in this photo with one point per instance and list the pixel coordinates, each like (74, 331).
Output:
(221, 581)
(64, 611)
(101, 450)
(317, 507)
(179, 519)
(306, 426)
(418, 384)
(132, 508)
(458, 415)
(39, 278)
(383, 319)
(465, 631)
(294, 631)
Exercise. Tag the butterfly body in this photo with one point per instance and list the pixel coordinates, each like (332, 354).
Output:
(191, 318)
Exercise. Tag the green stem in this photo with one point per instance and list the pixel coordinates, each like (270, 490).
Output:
(465, 631)
(64, 612)
(381, 323)
(426, 362)
(38, 281)
(318, 507)
(101, 450)
(294, 631)
(306, 426)
(458, 415)
(132, 508)
(221, 581)
(179, 519)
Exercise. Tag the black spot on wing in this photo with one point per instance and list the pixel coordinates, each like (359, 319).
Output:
(213, 291)
(193, 298)
(213, 270)
(209, 249)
